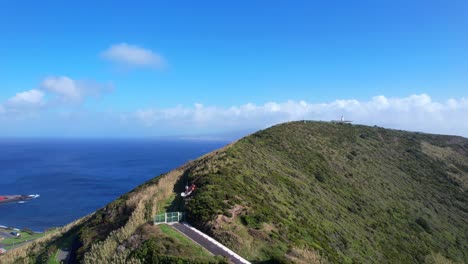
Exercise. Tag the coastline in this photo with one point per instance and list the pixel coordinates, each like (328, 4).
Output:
(5, 199)
(10, 228)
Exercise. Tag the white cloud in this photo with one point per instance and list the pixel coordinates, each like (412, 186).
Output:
(133, 56)
(69, 90)
(23, 103)
(415, 112)
(28, 99)
(63, 86)
(52, 92)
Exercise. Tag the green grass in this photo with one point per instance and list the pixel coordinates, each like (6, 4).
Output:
(53, 259)
(170, 246)
(8, 247)
(354, 193)
(24, 237)
(64, 242)
(167, 203)
(185, 241)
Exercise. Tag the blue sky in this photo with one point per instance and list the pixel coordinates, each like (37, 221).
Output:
(140, 68)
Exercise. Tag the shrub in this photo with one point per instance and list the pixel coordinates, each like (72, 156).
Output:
(320, 176)
(28, 231)
(424, 224)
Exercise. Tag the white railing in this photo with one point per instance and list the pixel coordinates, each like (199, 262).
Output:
(169, 217)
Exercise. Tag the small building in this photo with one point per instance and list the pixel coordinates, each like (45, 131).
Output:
(16, 234)
(2, 251)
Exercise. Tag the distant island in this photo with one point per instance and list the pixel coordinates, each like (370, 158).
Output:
(298, 192)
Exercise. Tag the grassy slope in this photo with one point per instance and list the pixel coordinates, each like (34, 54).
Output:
(353, 193)
(169, 246)
(195, 249)
(296, 190)
(23, 238)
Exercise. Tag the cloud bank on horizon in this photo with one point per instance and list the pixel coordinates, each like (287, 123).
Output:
(199, 70)
(58, 104)
(414, 113)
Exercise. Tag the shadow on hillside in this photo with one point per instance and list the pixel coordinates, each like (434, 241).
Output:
(178, 204)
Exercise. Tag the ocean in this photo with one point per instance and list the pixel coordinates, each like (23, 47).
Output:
(74, 177)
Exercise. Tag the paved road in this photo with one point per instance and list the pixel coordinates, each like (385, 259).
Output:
(206, 243)
(63, 256)
(5, 234)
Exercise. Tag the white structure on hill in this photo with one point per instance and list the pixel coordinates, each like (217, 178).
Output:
(342, 120)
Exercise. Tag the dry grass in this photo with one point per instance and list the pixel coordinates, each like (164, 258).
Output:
(455, 159)
(306, 256)
(20, 254)
(437, 258)
(106, 251)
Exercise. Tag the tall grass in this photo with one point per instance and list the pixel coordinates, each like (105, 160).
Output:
(106, 251)
(22, 254)
(306, 256)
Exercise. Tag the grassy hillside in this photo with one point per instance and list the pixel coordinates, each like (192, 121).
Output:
(297, 192)
(351, 193)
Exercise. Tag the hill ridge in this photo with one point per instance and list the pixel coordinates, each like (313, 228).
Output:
(304, 192)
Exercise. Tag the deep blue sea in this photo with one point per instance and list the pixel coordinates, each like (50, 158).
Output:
(77, 176)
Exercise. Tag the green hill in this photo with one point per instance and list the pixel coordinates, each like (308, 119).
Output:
(303, 192)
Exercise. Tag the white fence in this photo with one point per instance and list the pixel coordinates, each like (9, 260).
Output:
(169, 217)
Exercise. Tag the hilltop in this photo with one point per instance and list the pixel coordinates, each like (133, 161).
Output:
(302, 192)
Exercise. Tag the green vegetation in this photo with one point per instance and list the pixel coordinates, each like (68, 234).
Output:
(167, 204)
(170, 251)
(24, 236)
(63, 243)
(352, 193)
(300, 192)
(170, 246)
(195, 249)
(53, 258)
(41, 249)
